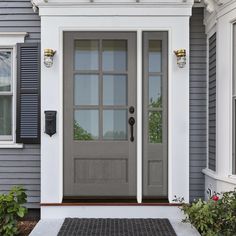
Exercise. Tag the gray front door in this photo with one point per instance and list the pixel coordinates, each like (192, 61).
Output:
(99, 93)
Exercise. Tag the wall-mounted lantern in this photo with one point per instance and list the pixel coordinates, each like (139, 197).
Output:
(181, 57)
(48, 57)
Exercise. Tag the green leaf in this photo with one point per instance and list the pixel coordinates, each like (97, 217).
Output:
(21, 212)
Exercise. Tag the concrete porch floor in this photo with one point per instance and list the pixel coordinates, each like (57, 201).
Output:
(51, 227)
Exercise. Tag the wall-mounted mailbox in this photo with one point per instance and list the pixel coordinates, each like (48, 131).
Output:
(50, 122)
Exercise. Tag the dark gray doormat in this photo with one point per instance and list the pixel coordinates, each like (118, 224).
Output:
(116, 227)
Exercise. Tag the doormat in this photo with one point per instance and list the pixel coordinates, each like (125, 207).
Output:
(116, 227)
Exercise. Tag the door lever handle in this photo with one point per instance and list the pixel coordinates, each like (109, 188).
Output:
(131, 123)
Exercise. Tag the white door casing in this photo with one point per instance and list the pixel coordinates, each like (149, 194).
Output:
(55, 20)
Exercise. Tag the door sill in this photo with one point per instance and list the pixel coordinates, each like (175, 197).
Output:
(111, 202)
(99, 200)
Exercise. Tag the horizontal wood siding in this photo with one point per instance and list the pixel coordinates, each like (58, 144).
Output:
(198, 104)
(21, 166)
(212, 104)
(18, 16)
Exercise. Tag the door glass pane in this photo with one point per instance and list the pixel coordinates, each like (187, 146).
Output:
(114, 55)
(114, 90)
(155, 95)
(154, 55)
(5, 115)
(115, 124)
(155, 127)
(5, 71)
(86, 124)
(86, 90)
(86, 54)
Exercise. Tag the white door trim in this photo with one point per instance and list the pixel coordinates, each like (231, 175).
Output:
(178, 97)
(139, 116)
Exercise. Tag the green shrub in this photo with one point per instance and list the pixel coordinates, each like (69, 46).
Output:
(214, 217)
(11, 210)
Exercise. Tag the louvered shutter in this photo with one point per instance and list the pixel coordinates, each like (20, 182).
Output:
(28, 93)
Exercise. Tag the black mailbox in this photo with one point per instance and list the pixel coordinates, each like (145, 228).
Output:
(50, 122)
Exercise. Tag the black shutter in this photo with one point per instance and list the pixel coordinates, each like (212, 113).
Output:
(28, 93)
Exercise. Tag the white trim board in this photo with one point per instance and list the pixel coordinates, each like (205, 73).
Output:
(114, 11)
(139, 116)
(11, 38)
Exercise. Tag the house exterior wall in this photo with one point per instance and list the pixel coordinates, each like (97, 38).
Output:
(18, 16)
(21, 166)
(198, 104)
(220, 21)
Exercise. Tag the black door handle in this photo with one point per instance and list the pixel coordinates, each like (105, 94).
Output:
(131, 123)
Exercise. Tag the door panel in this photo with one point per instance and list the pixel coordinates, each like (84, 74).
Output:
(155, 117)
(99, 88)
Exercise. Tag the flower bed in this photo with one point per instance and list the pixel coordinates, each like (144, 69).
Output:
(214, 217)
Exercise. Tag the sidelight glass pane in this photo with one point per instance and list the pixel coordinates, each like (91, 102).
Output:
(114, 90)
(5, 115)
(114, 55)
(86, 90)
(86, 124)
(155, 127)
(5, 71)
(155, 94)
(154, 55)
(115, 124)
(86, 54)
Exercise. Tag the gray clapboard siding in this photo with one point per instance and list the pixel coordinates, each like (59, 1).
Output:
(18, 16)
(212, 104)
(21, 166)
(198, 104)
